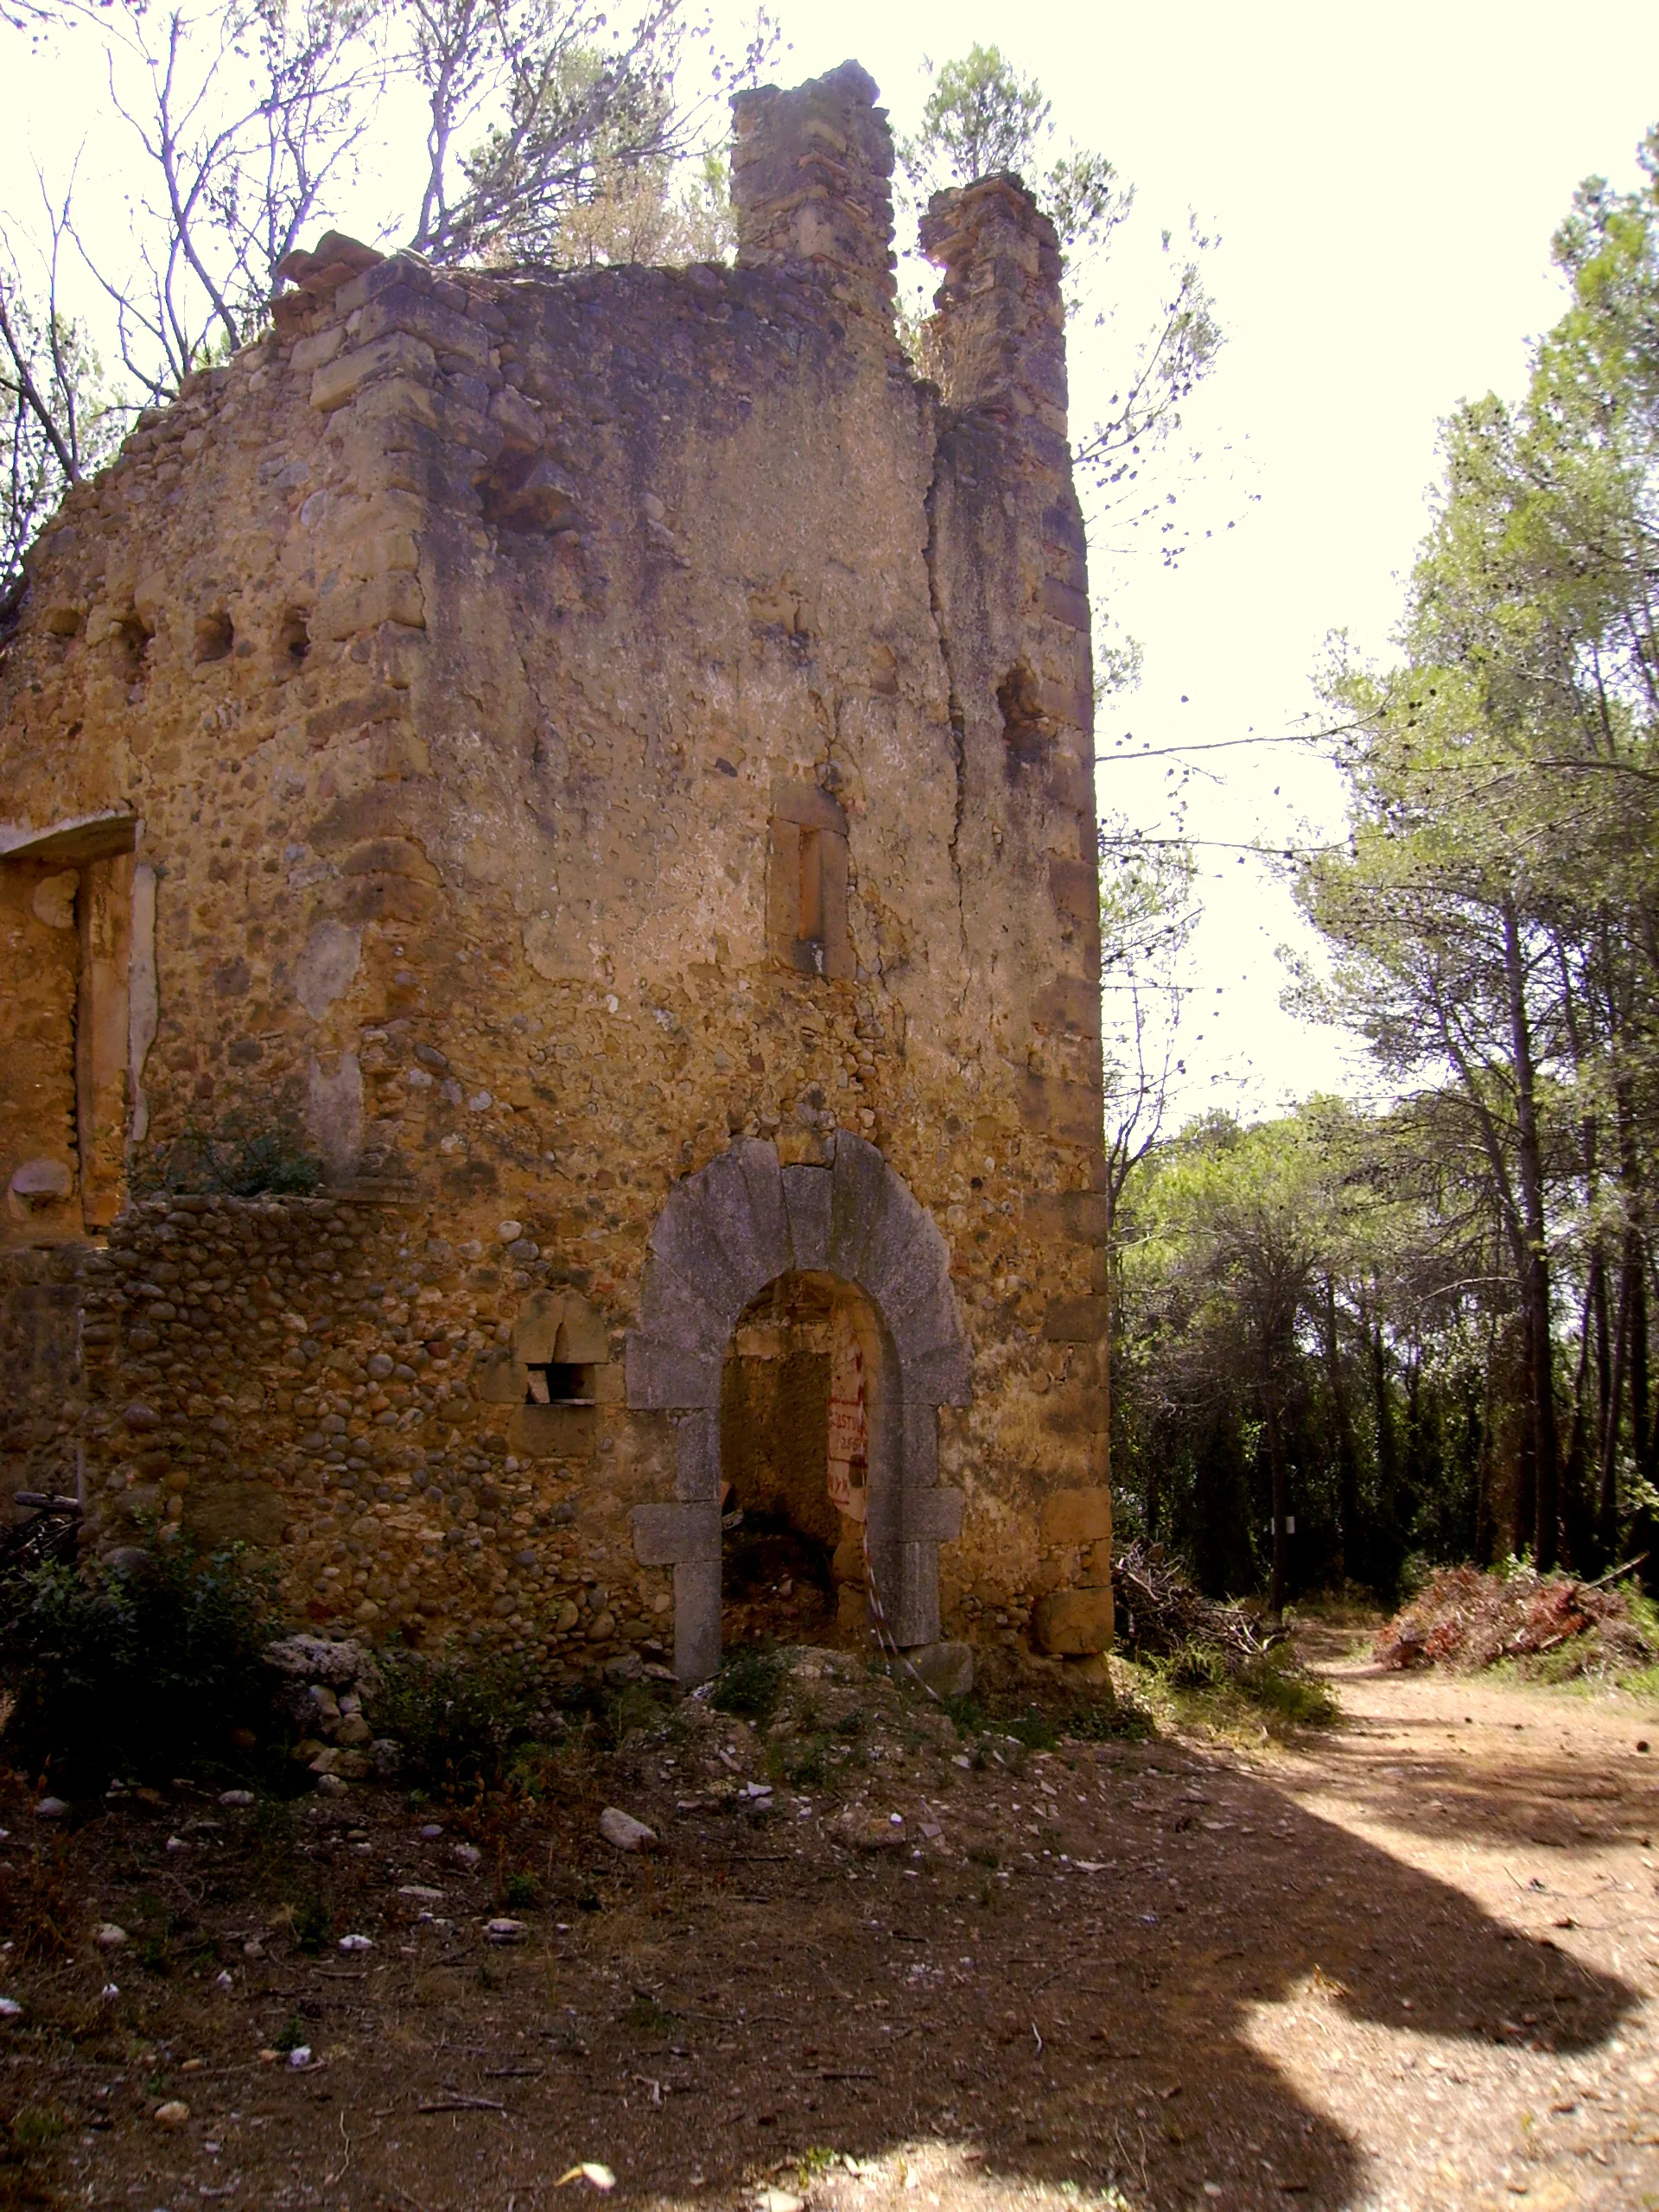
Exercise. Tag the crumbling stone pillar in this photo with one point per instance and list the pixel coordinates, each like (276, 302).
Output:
(810, 183)
(998, 341)
(1025, 686)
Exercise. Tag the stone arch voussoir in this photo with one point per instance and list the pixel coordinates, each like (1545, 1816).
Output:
(722, 1236)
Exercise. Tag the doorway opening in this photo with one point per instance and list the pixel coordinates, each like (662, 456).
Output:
(798, 1395)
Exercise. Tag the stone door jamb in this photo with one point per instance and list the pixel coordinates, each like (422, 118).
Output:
(722, 1236)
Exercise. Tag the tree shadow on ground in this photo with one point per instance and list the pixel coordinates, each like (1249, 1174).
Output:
(1432, 1776)
(1063, 1984)
(1095, 2027)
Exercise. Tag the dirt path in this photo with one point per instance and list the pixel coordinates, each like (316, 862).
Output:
(1407, 1964)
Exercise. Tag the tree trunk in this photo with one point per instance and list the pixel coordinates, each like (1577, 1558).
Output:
(1577, 1513)
(1641, 1430)
(1534, 1257)
(1486, 1529)
(1347, 1455)
(1526, 1456)
(1604, 1355)
(1281, 1503)
(1607, 1498)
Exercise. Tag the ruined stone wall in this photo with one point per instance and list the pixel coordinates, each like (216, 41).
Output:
(309, 1375)
(477, 664)
(41, 1410)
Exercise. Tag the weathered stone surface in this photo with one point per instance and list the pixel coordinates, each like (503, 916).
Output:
(666, 1534)
(947, 1668)
(623, 1832)
(932, 1515)
(1077, 1320)
(238, 1513)
(344, 377)
(585, 729)
(666, 1375)
(806, 1200)
(1073, 1622)
(1077, 1516)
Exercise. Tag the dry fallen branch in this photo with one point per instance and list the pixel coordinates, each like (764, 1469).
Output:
(1158, 1611)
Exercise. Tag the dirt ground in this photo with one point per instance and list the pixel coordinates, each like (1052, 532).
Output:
(1406, 1962)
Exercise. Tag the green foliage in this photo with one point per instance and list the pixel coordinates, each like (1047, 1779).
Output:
(521, 1892)
(239, 1156)
(1273, 1339)
(1274, 1681)
(1037, 1730)
(750, 1684)
(635, 1705)
(458, 1724)
(1194, 1666)
(805, 1761)
(1490, 918)
(1121, 1719)
(141, 1670)
(980, 116)
(646, 2021)
(313, 1924)
(36, 2127)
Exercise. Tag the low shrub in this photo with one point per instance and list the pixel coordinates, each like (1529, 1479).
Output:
(457, 1724)
(750, 1683)
(1193, 1665)
(1036, 1730)
(1124, 1721)
(1276, 1681)
(241, 1156)
(143, 1669)
(806, 1762)
(1272, 1681)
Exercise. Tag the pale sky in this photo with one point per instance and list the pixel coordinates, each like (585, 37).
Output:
(1384, 183)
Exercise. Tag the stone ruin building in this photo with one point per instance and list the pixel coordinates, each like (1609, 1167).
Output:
(573, 793)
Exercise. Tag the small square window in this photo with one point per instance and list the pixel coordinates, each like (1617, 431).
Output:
(560, 1383)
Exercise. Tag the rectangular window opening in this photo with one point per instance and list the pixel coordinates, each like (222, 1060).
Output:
(560, 1383)
(810, 929)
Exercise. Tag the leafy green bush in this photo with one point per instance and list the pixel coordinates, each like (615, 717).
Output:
(457, 1724)
(240, 1156)
(749, 1684)
(1194, 1666)
(1275, 1681)
(138, 1670)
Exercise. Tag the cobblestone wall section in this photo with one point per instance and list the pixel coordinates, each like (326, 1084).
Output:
(310, 1376)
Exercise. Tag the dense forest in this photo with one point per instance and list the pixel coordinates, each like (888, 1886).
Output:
(1428, 1333)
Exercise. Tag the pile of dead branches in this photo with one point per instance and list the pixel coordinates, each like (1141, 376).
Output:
(1157, 1613)
(1465, 1619)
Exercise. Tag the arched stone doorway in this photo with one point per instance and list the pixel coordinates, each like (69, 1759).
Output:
(722, 1237)
(805, 1389)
